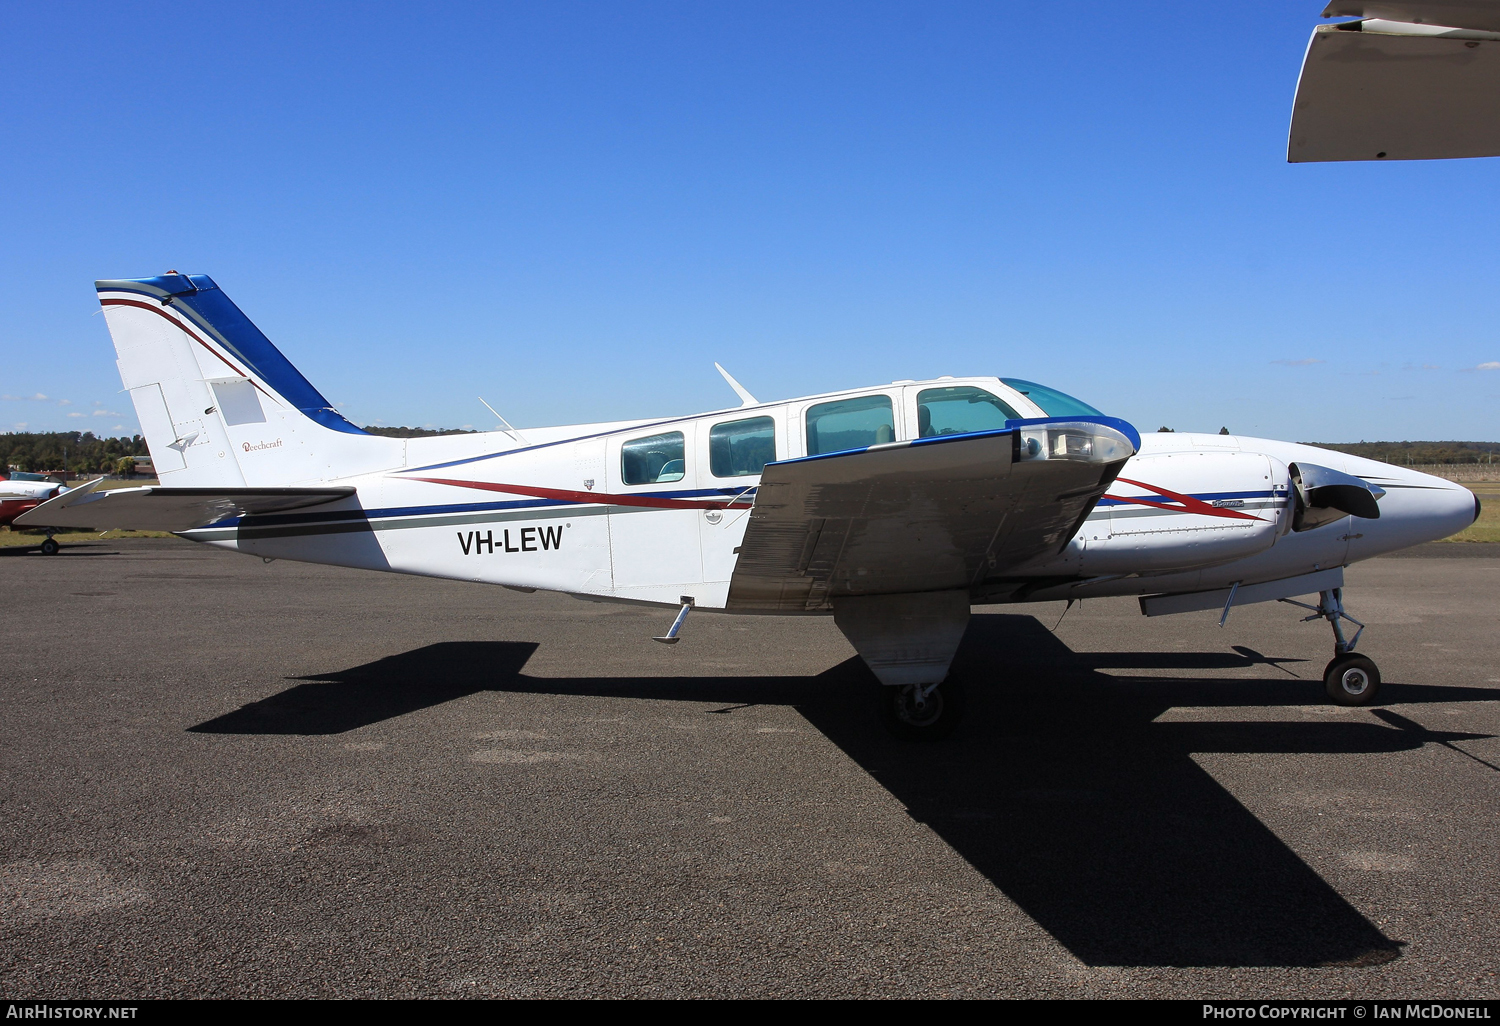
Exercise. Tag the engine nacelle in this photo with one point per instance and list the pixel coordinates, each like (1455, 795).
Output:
(1181, 511)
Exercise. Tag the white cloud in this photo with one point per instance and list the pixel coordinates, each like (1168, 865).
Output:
(1491, 365)
(104, 413)
(65, 402)
(1298, 363)
(20, 426)
(76, 414)
(118, 427)
(38, 398)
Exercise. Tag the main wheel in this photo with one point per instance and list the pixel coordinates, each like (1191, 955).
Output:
(1352, 680)
(913, 716)
(50, 547)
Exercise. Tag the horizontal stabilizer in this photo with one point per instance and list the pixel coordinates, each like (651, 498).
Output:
(155, 508)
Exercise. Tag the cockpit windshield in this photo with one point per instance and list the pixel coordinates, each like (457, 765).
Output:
(1052, 402)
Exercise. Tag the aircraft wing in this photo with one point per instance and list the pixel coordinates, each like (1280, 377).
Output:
(155, 508)
(933, 514)
(1418, 79)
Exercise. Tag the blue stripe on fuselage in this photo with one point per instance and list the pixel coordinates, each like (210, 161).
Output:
(1109, 500)
(283, 519)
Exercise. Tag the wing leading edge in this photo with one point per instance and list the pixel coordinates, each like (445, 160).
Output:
(932, 514)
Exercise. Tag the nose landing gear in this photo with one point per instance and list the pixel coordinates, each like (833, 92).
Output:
(1349, 679)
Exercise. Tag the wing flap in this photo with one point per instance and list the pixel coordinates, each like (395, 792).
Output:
(937, 514)
(155, 508)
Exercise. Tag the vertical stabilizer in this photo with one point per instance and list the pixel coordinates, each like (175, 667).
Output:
(218, 403)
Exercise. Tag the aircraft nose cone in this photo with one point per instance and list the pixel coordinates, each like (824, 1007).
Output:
(1417, 508)
(1439, 513)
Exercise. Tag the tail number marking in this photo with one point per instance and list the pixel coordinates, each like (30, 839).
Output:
(532, 539)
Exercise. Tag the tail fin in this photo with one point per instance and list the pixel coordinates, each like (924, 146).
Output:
(218, 403)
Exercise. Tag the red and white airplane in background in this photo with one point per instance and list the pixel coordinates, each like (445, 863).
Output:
(21, 491)
(893, 508)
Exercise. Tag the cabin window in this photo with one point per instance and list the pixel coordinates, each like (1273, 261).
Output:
(656, 459)
(850, 424)
(958, 411)
(741, 448)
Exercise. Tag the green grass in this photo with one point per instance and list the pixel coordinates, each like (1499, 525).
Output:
(132, 483)
(11, 537)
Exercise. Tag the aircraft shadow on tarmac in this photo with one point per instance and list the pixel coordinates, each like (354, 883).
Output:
(1060, 787)
(70, 549)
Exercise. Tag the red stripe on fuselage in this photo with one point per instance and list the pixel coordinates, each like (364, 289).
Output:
(601, 498)
(1189, 504)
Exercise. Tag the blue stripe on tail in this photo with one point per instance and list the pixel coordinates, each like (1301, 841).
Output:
(207, 305)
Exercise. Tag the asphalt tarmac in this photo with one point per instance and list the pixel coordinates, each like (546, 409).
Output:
(220, 777)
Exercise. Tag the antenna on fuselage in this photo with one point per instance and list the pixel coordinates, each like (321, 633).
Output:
(508, 429)
(746, 399)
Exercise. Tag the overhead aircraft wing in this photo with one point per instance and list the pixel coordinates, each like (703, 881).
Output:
(155, 508)
(1415, 80)
(1464, 14)
(933, 514)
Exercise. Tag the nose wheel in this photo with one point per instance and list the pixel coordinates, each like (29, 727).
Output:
(1349, 679)
(921, 712)
(1352, 679)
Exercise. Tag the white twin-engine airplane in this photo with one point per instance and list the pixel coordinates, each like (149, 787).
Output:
(893, 507)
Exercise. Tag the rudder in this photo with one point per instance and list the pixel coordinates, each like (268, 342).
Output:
(218, 403)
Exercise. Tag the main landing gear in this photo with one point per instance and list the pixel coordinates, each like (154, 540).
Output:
(922, 712)
(50, 546)
(1349, 679)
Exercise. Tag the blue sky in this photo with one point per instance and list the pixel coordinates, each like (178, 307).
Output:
(573, 209)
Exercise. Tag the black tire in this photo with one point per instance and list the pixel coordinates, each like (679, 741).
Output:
(933, 719)
(1352, 680)
(50, 547)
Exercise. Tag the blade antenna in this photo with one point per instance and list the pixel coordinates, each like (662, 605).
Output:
(746, 399)
(508, 429)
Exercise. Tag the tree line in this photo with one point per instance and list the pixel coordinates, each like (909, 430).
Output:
(1419, 452)
(77, 452)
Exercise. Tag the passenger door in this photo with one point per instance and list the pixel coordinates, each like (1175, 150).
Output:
(731, 454)
(654, 546)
